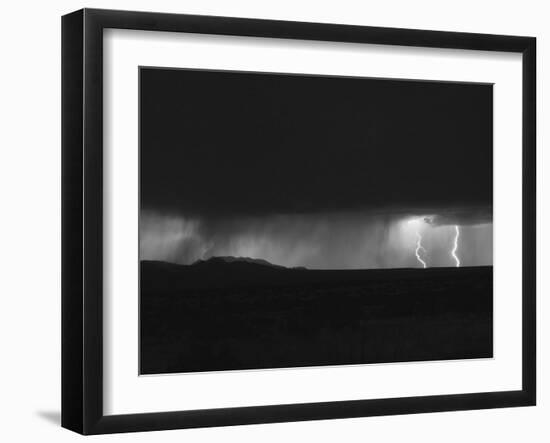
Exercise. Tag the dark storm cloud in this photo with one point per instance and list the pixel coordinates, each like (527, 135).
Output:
(218, 145)
(470, 216)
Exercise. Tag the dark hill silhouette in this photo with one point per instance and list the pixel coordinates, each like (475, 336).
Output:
(241, 313)
(230, 259)
(214, 272)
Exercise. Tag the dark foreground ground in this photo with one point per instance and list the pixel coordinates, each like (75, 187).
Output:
(219, 316)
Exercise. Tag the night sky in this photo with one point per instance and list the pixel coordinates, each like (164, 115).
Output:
(317, 171)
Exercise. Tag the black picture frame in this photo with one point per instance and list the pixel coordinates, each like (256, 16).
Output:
(82, 221)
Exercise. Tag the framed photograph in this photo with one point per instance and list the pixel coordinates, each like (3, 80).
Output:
(269, 221)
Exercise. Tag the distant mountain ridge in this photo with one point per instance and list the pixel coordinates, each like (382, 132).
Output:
(215, 272)
(231, 259)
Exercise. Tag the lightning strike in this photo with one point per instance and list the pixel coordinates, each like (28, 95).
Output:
(455, 247)
(419, 248)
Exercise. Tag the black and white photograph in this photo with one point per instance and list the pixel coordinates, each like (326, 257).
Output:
(274, 218)
(293, 220)
(275, 221)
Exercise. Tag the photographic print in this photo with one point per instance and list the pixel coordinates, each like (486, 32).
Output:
(292, 220)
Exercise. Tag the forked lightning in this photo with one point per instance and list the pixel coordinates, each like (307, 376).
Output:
(419, 248)
(455, 247)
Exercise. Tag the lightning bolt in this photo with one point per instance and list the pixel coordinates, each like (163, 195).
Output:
(419, 248)
(455, 247)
